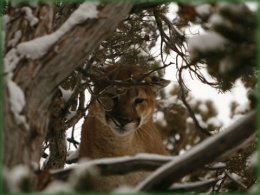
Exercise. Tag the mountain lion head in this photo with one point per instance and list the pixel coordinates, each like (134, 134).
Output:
(125, 99)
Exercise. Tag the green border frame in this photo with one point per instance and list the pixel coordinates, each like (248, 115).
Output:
(136, 1)
(258, 93)
(1, 99)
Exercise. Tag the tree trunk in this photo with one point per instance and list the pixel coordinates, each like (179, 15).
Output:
(38, 77)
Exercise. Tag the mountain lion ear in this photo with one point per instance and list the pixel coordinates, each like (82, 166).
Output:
(159, 83)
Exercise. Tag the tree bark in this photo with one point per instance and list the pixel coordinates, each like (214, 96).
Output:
(39, 78)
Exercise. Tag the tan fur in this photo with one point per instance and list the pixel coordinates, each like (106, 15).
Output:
(101, 137)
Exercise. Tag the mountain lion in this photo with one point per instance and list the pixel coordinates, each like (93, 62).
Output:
(120, 121)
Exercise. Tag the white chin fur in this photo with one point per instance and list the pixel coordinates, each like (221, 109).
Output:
(128, 128)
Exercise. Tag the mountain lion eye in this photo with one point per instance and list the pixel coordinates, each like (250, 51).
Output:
(115, 99)
(139, 100)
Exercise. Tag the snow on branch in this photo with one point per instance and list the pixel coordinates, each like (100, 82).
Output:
(203, 153)
(38, 47)
(119, 165)
(211, 42)
(17, 101)
(29, 16)
(193, 186)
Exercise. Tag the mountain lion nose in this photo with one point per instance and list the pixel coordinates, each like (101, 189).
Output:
(123, 120)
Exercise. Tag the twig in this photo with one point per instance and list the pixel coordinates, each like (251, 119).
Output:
(164, 37)
(183, 98)
(80, 111)
(72, 139)
(156, 69)
(240, 184)
(216, 188)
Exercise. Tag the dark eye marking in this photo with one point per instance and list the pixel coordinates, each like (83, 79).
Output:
(115, 99)
(139, 100)
(111, 95)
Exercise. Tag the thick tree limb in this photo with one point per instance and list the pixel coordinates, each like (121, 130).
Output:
(119, 165)
(77, 44)
(39, 78)
(203, 153)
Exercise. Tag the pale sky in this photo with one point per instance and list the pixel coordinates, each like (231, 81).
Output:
(204, 92)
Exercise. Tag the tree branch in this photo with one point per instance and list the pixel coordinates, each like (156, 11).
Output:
(198, 186)
(123, 165)
(39, 76)
(236, 181)
(183, 98)
(201, 154)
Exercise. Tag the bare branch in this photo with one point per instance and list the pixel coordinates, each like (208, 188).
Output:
(72, 140)
(239, 183)
(183, 98)
(198, 186)
(157, 69)
(102, 79)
